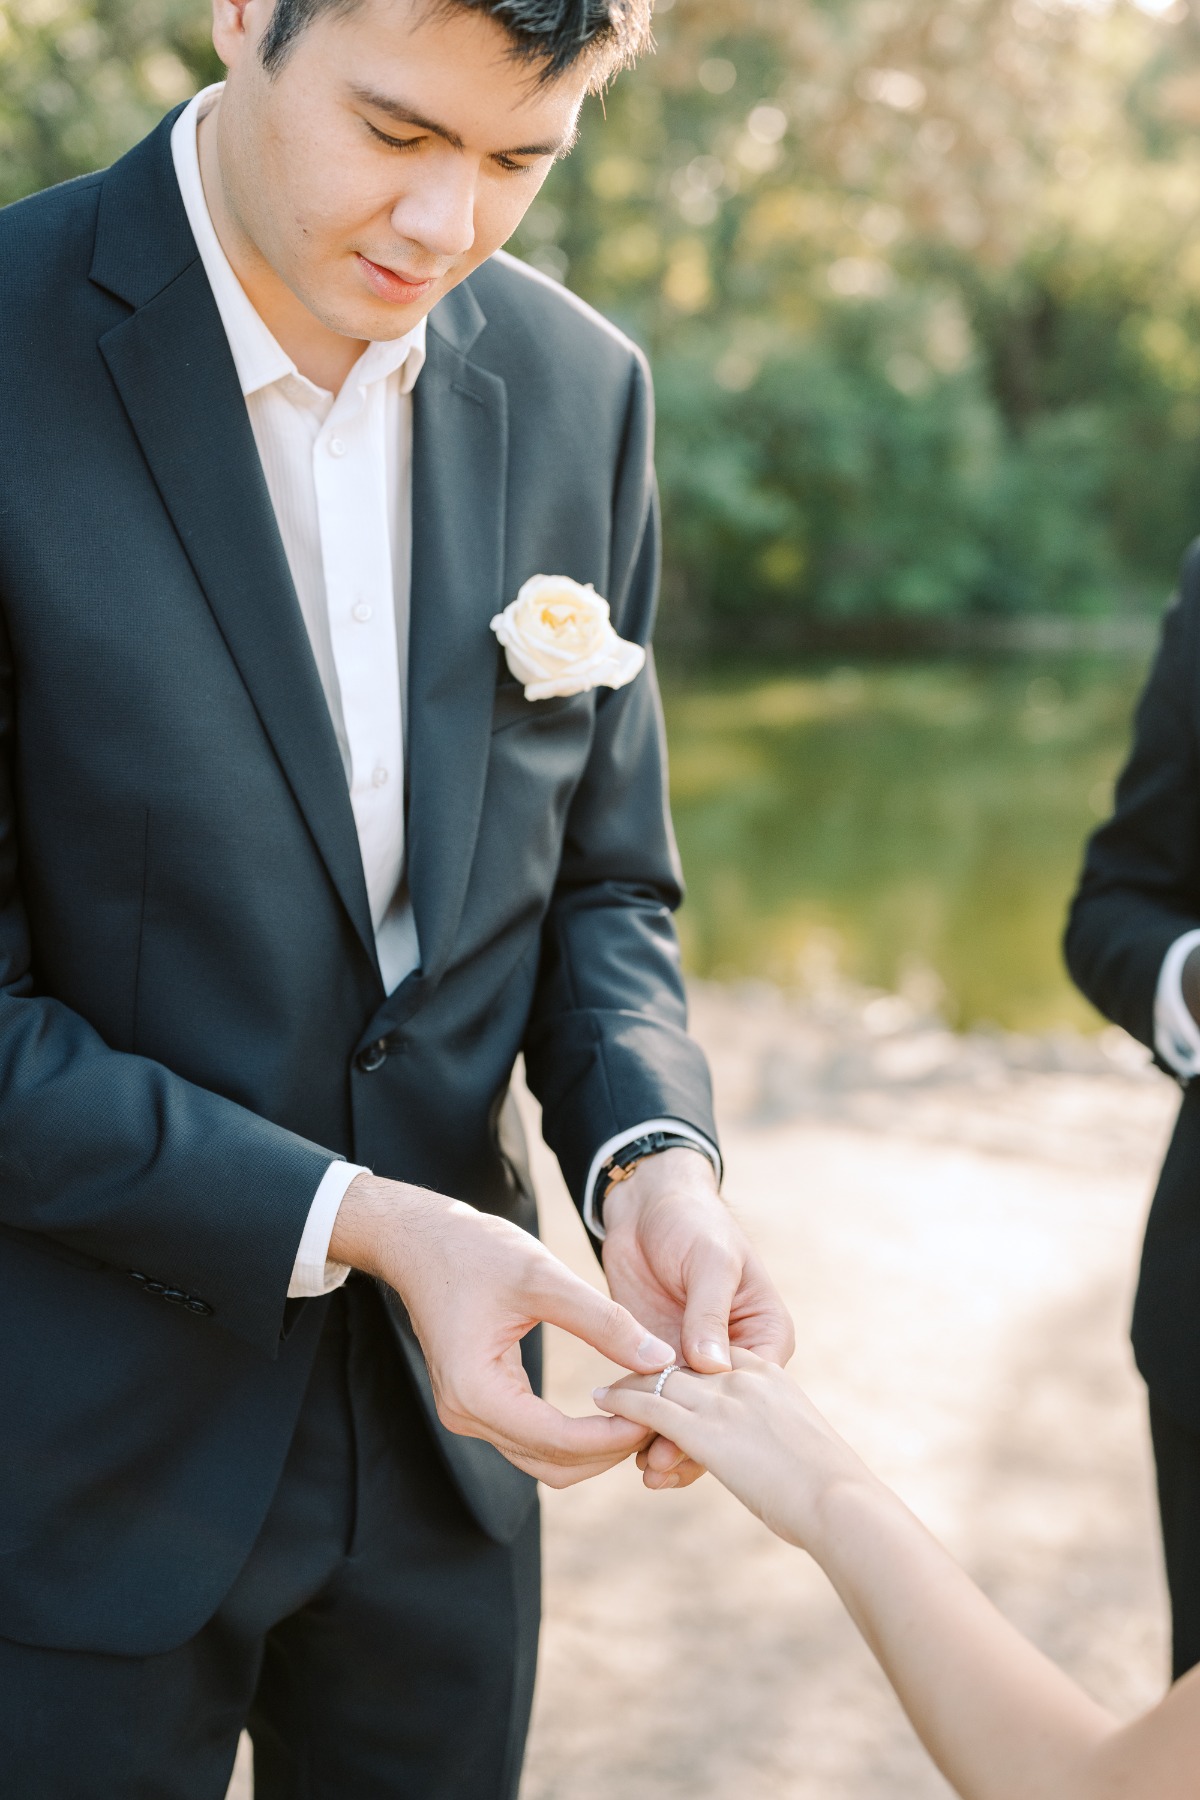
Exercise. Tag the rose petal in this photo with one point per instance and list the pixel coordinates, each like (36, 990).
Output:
(558, 640)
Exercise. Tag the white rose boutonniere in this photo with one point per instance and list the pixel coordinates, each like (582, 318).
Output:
(558, 639)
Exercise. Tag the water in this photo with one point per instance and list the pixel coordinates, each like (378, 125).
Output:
(914, 827)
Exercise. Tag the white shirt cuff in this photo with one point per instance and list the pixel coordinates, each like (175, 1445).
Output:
(1176, 1033)
(312, 1273)
(676, 1127)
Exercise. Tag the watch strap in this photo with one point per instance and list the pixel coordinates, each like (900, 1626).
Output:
(623, 1162)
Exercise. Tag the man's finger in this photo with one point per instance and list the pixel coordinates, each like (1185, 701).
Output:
(577, 1307)
(761, 1321)
(563, 1475)
(663, 1456)
(682, 1476)
(666, 1458)
(768, 1340)
(712, 1286)
(520, 1424)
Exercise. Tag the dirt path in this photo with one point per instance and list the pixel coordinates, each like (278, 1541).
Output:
(955, 1224)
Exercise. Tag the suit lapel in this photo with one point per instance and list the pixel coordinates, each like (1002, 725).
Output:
(460, 439)
(172, 366)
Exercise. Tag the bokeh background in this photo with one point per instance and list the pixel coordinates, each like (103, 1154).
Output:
(920, 284)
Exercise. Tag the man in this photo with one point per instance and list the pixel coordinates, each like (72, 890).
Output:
(1133, 946)
(292, 867)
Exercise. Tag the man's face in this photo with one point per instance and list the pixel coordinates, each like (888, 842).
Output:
(395, 149)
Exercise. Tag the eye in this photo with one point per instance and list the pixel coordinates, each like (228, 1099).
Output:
(393, 143)
(512, 168)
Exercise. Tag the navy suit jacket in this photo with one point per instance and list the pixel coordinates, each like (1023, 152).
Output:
(192, 1020)
(1139, 891)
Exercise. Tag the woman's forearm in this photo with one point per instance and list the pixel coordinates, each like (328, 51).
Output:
(1001, 1721)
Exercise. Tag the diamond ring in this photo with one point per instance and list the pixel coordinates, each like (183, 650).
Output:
(671, 1369)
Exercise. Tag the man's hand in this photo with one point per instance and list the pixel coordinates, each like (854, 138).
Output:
(474, 1286)
(675, 1255)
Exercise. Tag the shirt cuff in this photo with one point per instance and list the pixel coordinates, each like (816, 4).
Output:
(312, 1273)
(676, 1127)
(1176, 1033)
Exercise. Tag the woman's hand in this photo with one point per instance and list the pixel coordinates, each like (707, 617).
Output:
(999, 1719)
(759, 1433)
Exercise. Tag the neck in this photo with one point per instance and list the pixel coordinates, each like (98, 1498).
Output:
(325, 357)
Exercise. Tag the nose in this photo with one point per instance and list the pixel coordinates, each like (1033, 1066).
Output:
(438, 211)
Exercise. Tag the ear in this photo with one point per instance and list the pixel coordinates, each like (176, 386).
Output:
(238, 28)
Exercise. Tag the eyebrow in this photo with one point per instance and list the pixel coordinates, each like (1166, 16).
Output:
(403, 114)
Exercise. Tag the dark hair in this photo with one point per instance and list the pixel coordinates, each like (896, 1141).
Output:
(551, 34)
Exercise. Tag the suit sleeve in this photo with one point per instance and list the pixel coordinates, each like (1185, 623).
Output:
(115, 1160)
(607, 1043)
(1140, 886)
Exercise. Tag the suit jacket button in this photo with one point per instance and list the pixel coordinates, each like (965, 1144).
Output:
(373, 1057)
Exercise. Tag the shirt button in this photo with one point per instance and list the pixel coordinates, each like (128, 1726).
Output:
(379, 777)
(362, 612)
(336, 447)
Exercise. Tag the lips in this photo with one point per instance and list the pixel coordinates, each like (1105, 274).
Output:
(388, 285)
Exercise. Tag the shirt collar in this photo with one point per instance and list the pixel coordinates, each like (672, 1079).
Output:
(258, 357)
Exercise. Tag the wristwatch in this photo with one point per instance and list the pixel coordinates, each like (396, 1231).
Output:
(623, 1162)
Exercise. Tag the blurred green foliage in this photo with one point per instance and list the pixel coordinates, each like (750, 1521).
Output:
(81, 80)
(919, 279)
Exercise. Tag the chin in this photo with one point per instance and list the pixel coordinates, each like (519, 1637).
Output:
(393, 321)
(372, 321)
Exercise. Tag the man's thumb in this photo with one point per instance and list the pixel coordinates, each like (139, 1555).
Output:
(608, 1327)
(705, 1334)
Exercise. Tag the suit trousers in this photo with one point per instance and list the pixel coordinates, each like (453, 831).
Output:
(376, 1644)
(1177, 1459)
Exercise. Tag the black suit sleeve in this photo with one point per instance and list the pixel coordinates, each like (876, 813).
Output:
(113, 1159)
(1140, 886)
(607, 1044)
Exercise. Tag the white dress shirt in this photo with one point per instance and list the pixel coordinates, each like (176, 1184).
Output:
(1176, 1033)
(338, 470)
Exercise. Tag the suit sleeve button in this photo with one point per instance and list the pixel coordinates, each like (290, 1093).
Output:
(373, 1057)
(196, 1305)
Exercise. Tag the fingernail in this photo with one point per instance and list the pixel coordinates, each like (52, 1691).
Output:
(652, 1350)
(599, 1393)
(669, 1481)
(714, 1352)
